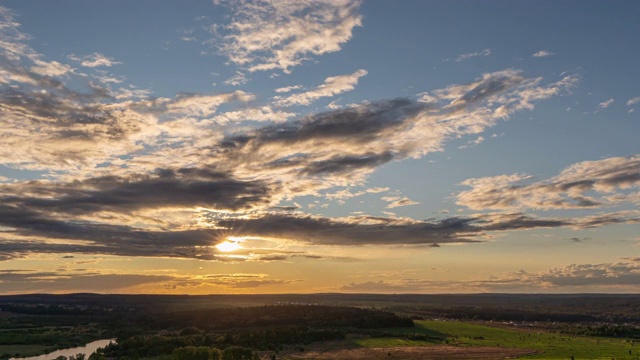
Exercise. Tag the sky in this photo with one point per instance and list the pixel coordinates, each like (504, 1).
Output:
(205, 147)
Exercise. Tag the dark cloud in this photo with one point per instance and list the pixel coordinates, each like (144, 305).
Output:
(347, 164)
(579, 240)
(355, 231)
(507, 222)
(187, 188)
(360, 124)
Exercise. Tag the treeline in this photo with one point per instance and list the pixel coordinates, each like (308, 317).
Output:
(262, 339)
(494, 314)
(205, 353)
(600, 330)
(316, 316)
(182, 353)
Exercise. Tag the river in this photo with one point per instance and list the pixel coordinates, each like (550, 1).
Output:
(88, 349)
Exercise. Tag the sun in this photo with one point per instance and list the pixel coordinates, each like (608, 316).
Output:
(231, 244)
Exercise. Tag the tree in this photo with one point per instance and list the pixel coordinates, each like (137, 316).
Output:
(237, 353)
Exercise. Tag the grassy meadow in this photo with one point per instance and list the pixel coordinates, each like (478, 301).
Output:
(550, 345)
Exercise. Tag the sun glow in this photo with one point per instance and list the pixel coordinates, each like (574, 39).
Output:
(231, 244)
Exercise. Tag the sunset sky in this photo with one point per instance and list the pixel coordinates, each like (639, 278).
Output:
(202, 147)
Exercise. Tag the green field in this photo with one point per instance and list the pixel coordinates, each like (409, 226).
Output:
(553, 346)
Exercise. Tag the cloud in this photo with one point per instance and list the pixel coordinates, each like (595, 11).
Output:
(134, 175)
(23, 281)
(238, 79)
(375, 287)
(263, 113)
(604, 274)
(229, 281)
(346, 194)
(19, 282)
(185, 187)
(620, 276)
(633, 101)
(397, 201)
(287, 89)
(579, 240)
(584, 185)
(605, 104)
(332, 86)
(52, 69)
(542, 53)
(353, 230)
(198, 104)
(283, 34)
(472, 143)
(463, 57)
(350, 143)
(95, 60)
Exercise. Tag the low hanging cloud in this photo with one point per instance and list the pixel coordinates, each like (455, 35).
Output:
(279, 35)
(23, 281)
(584, 185)
(619, 276)
(20, 282)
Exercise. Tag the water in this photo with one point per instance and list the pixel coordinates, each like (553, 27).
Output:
(88, 349)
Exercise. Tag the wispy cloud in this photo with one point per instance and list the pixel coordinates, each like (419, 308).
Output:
(633, 101)
(239, 78)
(287, 89)
(397, 201)
(95, 60)
(542, 53)
(332, 85)
(605, 104)
(463, 57)
(283, 34)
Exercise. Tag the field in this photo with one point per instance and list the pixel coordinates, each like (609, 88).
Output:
(435, 352)
(329, 326)
(546, 345)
